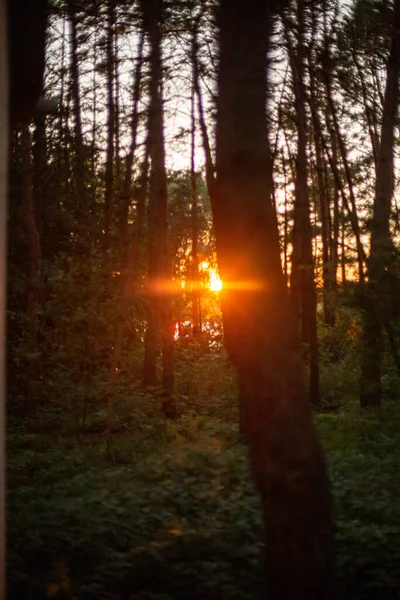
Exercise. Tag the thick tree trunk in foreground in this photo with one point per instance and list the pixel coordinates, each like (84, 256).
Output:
(286, 458)
(381, 248)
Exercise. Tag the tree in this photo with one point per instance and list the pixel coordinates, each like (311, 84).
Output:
(286, 458)
(159, 300)
(379, 267)
(196, 301)
(109, 172)
(79, 153)
(302, 285)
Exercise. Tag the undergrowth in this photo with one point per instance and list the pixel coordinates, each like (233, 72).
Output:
(176, 516)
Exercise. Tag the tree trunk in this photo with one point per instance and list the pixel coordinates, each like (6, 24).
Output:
(381, 243)
(109, 173)
(39, 173)
(302, 283)
(285, 222)
(328, 271)
(129, 285)
(126, 188)
(117, 92)
(93, 158)
(79, 152)
(327, 73)
(159, 278)
(196, 310)
(33, 287)
(286, 458)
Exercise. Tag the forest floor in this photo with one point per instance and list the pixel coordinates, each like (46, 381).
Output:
(175, 515)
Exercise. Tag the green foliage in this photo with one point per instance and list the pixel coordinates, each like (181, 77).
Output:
(176, 514)
(363, 451)
(340, 359)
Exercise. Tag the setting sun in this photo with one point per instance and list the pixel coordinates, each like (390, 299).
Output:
(215, 282)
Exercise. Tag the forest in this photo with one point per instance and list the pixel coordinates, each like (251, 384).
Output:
(203, 315)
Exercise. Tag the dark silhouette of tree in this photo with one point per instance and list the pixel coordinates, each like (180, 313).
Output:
(377, 309)
(159, 305)
(286, 459)
(302, 285)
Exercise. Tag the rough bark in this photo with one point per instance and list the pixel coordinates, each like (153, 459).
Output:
(286, 459)
(381, 243)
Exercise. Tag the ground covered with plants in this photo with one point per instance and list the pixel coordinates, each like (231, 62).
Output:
(174, 514)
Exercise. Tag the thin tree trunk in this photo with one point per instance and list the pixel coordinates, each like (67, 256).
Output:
(381, 243)
(116, 105)
(126, 188)
(353, 219)
(210, 169)
(343, 259)
(138, 225)
(109, 168)
(79, 152)
(323, 198)
(285, 223)
(39, 172)
(193, 188)
(326, 70)
(369, 112)
(93, 184)
(285, 456)
(61, 131)
(129, 284)
(159, 278)
(34, 276)
(302, 283)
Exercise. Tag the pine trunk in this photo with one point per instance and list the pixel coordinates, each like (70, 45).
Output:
(381, 243)
(302, 283)
(79, 152)
(159, 277)
(286, 459)
(33, 282)
(109, 173)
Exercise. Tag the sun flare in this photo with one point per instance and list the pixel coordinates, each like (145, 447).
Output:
(215, 282)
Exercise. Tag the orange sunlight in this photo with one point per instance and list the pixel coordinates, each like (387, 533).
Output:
(215, 281)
